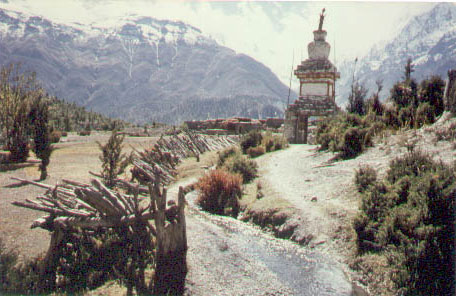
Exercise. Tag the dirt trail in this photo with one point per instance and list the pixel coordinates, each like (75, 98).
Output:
(323, 191)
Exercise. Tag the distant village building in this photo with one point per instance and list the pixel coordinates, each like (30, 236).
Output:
(317, 77)
(234, 125)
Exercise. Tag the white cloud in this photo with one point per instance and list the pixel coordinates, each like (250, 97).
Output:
(268, 31)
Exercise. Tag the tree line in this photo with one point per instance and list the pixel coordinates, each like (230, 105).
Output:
(30, 118)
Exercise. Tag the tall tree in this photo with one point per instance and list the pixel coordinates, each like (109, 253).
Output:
(41, 130)
(17, 90)
(113, 160)
(356, 99)
(408, 70)
(432, 91)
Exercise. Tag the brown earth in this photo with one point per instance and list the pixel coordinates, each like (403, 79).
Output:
(73, 158)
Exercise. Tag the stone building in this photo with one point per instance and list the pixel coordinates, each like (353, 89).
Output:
(317, 77)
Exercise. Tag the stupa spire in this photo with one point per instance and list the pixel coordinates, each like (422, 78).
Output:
(322, 18)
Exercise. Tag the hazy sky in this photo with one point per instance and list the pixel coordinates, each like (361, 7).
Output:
(271, 32)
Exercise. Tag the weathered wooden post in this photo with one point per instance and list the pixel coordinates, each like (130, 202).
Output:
(171, 265)
(51, 261)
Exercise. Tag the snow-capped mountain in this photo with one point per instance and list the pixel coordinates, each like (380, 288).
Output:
(428, 39)
(140, 68)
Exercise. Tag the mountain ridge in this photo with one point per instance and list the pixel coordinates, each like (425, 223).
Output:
(143, 70)
(428, 39)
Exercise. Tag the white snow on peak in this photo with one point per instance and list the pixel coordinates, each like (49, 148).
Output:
(131, 27)
(417, 37)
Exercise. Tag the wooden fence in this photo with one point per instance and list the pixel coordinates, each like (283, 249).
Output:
(72, 207)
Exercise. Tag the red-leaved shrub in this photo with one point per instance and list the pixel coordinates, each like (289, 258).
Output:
(219, 192)
(255, 151)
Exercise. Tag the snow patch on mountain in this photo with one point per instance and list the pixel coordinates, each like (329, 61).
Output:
(428, 39)
(141, 68)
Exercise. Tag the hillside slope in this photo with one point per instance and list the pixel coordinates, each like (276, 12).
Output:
(428, 39)
(325, 197)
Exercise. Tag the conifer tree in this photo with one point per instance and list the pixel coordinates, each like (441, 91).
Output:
(41, 130)
(113, 160)
(17, 90)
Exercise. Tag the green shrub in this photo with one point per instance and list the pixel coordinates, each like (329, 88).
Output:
(280, 144)
(353, 142)
(401, 95)
(268, 143)
(252, 139)
(323, 136)
(357, 99)
(18, 278)
(411, 164)
(390, 118)
(247, 168)
(255, 151)
(219, 192)
(364, 177)
(87, 260)
(227, 153)
(406, 115)
(425, 114)
(347, 133)
(330, 131)
(374, 105)
(354, 120)
(376, 128)
(410, 218)
(273, 142)
(431, 91)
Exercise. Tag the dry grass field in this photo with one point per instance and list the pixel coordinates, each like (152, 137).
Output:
(73, 158)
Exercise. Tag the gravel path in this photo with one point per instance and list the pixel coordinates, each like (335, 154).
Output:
(321, 191)
(229, 257)
(324, 191)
